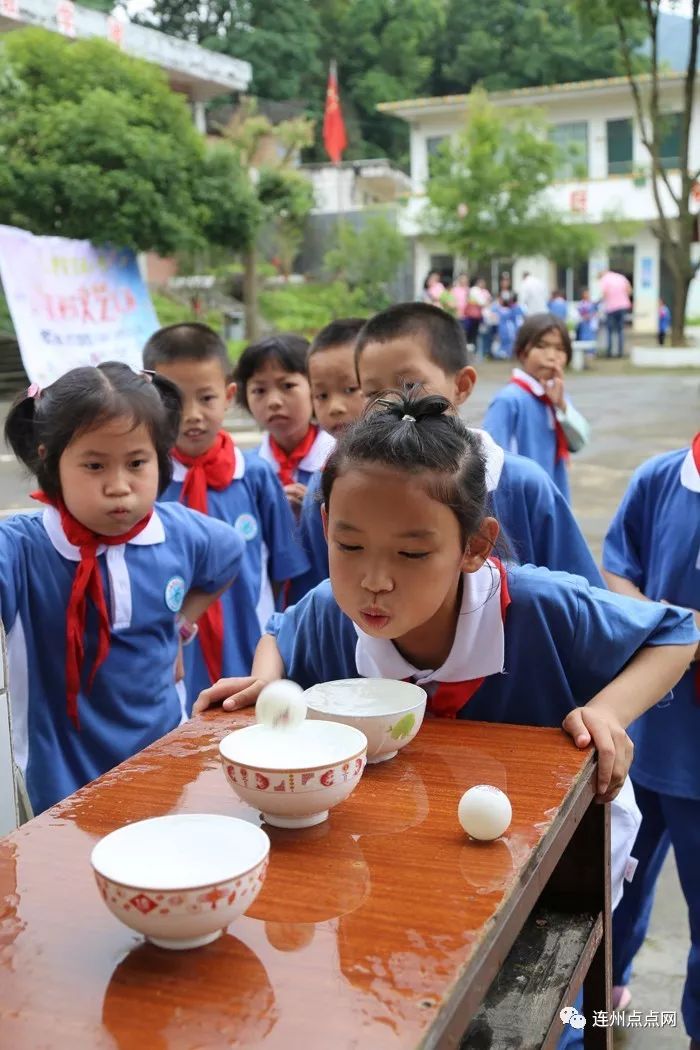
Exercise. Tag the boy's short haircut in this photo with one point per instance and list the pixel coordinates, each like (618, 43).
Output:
(534, 327)
(338, 333)
(187, 341)
(286, 349)
(442, 334)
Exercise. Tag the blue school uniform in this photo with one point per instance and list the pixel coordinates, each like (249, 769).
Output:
(563, 641)
(654, 541)
(536, 520)
(664, 319)
(587, 327)
(509, 320)
(314, 460)
(133, 700)
(255, 505)
(559, 308)
(522, 423)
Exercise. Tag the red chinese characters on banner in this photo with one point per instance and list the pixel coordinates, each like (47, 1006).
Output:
(115, 31)
(9, 8)
(578, 201)
(65, 17)
(91, 304)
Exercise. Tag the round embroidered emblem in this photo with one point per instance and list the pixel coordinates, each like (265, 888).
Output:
(246, 526)
(175, 593)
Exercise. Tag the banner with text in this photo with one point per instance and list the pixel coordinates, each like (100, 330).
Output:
(72, 303)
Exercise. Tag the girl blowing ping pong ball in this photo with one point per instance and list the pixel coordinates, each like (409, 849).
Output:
(416, 593)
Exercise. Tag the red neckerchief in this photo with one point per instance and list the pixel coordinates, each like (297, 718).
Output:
(450, 697)
(696, 451)
(214, 469)
(287, 462)
(562, 447)
(87, 580)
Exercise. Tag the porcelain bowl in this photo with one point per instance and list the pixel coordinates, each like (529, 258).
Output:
(180, 880)
(388, 712)
(294, 776)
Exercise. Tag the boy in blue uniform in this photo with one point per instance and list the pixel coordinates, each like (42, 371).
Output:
(532, 415)
(91, 587)
(652, 553)
(414, 343)
(214, 477)
(337, 401)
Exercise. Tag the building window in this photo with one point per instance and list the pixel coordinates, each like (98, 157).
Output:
(620, 146)
(572, 141)
(670, 144)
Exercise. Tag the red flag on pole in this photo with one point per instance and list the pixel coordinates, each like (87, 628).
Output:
(334, 138)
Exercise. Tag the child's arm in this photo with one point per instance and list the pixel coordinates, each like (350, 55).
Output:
(242, 692)
(603, 721)
(623, 586)
(198, 601)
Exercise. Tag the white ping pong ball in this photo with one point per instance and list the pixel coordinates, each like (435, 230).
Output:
(484, 812)
(281, 705)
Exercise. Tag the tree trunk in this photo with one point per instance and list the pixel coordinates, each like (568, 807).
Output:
(680, 296)
(250, 293)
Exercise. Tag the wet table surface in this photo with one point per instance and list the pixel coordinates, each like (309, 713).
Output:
(366, 928)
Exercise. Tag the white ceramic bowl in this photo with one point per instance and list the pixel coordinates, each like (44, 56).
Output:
(389, 713)
(294, 776)
(180, 880)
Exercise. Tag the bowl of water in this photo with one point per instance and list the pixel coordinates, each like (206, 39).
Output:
(388, 712)
(181, 879)
(294, 776)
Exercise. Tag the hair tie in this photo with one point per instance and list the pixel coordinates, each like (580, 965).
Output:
(411, 419)
(34, 391)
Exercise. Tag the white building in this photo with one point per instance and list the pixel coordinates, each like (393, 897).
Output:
(606, 177)
(356, 184)
(198, 73)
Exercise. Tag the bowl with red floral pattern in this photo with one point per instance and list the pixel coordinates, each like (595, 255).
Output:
(181, 879)
(294, 776)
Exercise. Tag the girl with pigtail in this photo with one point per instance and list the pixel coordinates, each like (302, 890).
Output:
(98, 588)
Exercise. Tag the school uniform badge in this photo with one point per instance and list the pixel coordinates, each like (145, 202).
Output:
(246, 526)
(175, 593)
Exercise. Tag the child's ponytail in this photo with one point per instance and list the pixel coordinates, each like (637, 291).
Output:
(21, 428)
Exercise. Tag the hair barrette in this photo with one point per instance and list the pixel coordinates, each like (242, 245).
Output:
(34, 391)
(411, 419)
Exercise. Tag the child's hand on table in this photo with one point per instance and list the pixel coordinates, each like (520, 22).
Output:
(234, 692)
(601, 727)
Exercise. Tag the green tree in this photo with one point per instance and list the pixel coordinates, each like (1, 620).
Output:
(521, 43)
(676, 221)
(281, 200)
(94, 144)
(287, 198)
(230, 212)
(385, 52)
(487, 191)
(368, 259)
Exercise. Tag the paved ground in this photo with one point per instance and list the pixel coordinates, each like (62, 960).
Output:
(633, 417)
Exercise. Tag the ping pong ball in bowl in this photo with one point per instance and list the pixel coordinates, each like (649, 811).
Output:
(280, 705)
(485, 812)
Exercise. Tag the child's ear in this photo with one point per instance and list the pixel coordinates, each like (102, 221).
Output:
(464, 381)
(480, 545)
(231, 389)
(324, 520)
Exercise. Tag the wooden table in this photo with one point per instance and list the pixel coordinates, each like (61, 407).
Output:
(385, 927)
